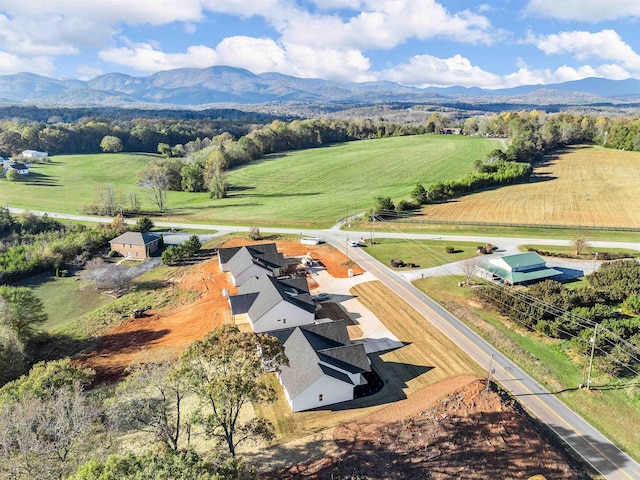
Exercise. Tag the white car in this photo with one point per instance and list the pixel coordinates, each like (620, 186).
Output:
(353, 243)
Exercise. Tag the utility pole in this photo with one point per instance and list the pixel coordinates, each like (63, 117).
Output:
(489, 372)
(373, 226)
(594, 261)
(592, 341)
(346, 250)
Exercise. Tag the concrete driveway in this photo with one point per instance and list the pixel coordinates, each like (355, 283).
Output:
(375, 336)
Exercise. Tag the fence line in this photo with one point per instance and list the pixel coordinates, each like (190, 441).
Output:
(517, 225)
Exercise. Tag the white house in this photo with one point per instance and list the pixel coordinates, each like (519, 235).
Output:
(34, 154)
(518, 268)
(18, 167)
(267, 303)
(324, 366)
(251, 261)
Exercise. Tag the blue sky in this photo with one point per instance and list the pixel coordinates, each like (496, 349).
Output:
(492, 44)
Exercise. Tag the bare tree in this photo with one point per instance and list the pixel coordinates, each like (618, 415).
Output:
(581, 246)
(96, 271)
(107, 199)
(47, 437)
(469, 269)
(134, 201)
(151, 400)
(157, 177)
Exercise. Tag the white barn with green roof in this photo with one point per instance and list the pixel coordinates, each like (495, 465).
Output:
(517, 269)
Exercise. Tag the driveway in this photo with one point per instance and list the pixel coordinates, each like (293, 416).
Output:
(375, 336)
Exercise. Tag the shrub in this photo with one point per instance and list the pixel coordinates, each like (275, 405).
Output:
(144, 224)
(254, 233)
(12, 175)
(449, 249)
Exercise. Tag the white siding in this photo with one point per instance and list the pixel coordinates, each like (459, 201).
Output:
(275, 318)
(331, 389)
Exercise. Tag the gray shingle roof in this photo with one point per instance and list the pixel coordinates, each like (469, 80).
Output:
(312, 354)
(246, 257)
(227, 254)
(135, 238)
(270, 291)
(242, 303)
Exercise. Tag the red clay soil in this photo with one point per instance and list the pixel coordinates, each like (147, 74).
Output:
(469, 433)
(331, 258)
(172, 328)
(175, 327)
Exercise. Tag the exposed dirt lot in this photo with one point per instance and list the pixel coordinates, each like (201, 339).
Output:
(467, 433)
(175, 327)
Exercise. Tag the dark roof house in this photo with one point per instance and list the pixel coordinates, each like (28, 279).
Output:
(268, 303)
(135, 244)
(246, 262)
(324, 366)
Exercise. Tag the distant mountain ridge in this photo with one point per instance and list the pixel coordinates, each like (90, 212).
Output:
(191, 87)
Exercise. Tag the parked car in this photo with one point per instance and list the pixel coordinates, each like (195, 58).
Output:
(321, 297)
(353, 243)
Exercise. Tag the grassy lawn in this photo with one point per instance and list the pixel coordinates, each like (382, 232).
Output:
(584, 185)
(65, 299)
(513, 232)
(428, 357)
(611, 406)
(424, 253)
(309, 187)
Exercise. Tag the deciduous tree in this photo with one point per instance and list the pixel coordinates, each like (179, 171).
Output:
(111, 144)
(224, 370)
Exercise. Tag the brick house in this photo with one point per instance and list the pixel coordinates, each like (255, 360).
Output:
(135, 244)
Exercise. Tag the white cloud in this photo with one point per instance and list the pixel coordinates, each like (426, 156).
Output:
(258, 55)
(605, 45)
(10, 64)
(427, 70)
(584, 10)
(388, 23)
(526, 76)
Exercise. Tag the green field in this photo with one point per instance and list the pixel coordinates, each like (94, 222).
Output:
(304, 188)
(424, 253)
(65, 299)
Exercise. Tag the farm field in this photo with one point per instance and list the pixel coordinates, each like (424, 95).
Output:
(589, 186)
(302, 188)
(423, 253)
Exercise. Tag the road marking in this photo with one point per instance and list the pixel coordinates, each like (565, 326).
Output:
(478, 352)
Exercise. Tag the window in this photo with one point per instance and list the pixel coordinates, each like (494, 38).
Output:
(320, 397)
(284, 320)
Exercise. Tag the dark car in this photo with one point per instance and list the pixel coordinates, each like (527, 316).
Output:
(321, 297)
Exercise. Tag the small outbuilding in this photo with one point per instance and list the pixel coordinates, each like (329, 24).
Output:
(135, 244)
(517, 269)
(18, 167)
(34, 154)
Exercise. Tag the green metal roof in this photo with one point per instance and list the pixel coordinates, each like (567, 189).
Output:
(520, 277)
(523, 259)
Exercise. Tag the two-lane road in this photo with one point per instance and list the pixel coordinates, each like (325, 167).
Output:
(596, 449)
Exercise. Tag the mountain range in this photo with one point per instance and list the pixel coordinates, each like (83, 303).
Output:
(228, 85)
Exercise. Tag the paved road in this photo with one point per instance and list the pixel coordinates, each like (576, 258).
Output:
(596, 449)
(605, 457)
